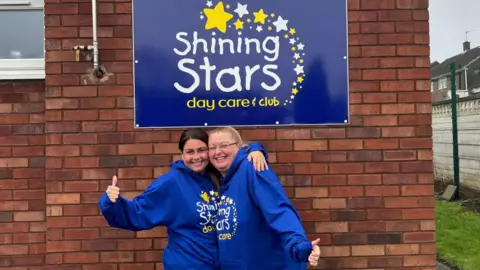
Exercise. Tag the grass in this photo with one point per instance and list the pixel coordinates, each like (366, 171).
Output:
(458, 235)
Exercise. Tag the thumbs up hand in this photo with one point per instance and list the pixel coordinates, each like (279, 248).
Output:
(113, 191)
(315, 255)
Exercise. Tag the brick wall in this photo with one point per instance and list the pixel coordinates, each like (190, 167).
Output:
(366, 190)
(22, 174)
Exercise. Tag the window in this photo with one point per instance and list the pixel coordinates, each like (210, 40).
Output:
(442, 83)
(22, 39)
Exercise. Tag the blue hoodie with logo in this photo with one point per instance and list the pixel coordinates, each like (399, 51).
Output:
(257, 226)
(182, 201)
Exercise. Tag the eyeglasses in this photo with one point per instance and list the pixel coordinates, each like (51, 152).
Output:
(192, 152)
(221, 146)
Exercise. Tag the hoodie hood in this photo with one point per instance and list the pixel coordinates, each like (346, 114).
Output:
(201, 178)
(237, 161)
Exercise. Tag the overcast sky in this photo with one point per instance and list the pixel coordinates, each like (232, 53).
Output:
(449, 19)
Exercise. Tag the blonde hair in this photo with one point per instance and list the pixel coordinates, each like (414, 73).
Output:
(233, 132)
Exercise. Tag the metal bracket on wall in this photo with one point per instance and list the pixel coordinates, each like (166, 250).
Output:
(79, 48)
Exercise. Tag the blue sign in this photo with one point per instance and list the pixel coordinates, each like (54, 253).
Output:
(247, 63)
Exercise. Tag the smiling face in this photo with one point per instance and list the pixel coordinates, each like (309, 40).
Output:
(222, 150)
(195, 155)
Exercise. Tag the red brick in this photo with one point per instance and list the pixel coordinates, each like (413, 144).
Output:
(379, 74)
(377, 4)
(413, 50)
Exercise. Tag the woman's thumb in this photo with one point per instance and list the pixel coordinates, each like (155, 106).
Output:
(114, 181)
(316, 242)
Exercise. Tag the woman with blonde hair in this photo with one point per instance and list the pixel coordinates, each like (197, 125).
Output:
(257, 226)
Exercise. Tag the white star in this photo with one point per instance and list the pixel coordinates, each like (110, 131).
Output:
(296, 56)
(201, 17)
(300, 46)
(298, 69)
(294, 84)
(292, 41)
(241, 10)
(259, 28)
(239, 33)
(209, 3)
(292, 96)
(281, 24)
(213, 33)
(211, 192)
(223, 197)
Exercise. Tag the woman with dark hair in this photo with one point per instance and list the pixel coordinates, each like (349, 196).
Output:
(183, 200)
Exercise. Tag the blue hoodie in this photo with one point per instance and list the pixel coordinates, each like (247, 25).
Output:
(257, 226)
(181, 201)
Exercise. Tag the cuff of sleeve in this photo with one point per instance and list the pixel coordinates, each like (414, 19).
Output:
(105, 203)
(303, 250)
(255, 146)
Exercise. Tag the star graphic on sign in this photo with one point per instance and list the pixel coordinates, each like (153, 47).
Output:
(238, 24)
(217, 18)
(300, 46)
(292, 41)
(294, 91)
(209, 4)
(241, 10)
(260, 16)
(259, 28)
(280, 24)
(300, 79)
(298, 69)
(296, 56)
(292, 31)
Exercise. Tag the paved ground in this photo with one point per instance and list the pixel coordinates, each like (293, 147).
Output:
(441, 266)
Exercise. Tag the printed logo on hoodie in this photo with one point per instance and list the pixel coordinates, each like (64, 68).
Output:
(207, 209)
(227, 218)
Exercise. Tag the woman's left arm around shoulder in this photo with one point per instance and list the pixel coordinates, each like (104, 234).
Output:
(258, 155)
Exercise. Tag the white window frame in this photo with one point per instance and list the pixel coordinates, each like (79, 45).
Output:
(22, 69)
(442, 83)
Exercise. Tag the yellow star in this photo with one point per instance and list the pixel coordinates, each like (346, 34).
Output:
(301, 61)
(299, 79)
(292, 31)
(272, 15)
(293, 49)
(249, 20)
(227, 6)
(260, 16)
(269, 28)
(286, 36)
(294, 91)
(205, 197)
(217, 18)
(238, 24)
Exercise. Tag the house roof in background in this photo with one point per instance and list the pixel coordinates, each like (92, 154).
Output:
(461, 60)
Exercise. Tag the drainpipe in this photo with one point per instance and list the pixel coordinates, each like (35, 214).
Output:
(97, 71)
(466, 82)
